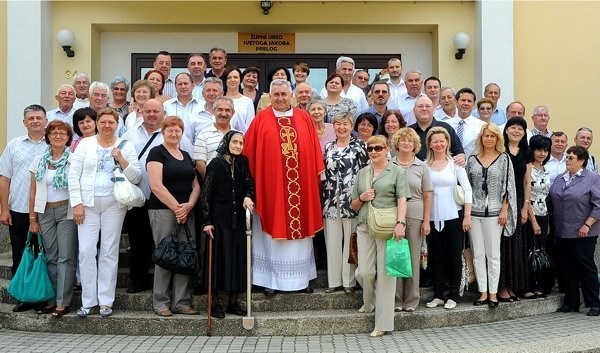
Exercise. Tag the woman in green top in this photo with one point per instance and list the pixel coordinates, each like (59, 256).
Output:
(384, 184)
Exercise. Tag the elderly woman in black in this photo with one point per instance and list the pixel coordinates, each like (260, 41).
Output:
(574, 205)
(228, 190)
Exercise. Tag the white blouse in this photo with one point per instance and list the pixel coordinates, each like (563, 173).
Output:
(444, 207)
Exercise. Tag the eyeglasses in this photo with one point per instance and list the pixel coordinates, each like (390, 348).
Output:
(58, 134)
(380, 92)
(119, 89)
(571, 158)
(375, 148)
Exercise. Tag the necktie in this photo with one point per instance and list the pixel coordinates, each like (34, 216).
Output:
(460, 131)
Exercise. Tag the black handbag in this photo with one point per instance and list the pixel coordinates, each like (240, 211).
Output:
(539, 261)
(177, 256)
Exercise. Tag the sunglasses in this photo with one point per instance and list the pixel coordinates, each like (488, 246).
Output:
(375, 148)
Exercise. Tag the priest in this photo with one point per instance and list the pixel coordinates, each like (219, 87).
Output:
(285, 161)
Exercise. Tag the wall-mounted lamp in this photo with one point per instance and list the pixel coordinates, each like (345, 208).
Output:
(66, 38)
(461, 42)
(266, 6)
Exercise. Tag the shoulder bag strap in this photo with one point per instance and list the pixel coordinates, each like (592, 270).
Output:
(154, 134)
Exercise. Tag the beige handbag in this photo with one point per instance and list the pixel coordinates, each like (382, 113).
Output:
(380, 221)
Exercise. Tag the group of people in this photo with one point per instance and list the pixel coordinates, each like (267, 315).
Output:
(208, 145)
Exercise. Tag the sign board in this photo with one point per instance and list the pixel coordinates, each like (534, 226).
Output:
(266, 43)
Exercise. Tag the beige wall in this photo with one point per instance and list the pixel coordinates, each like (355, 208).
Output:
(557, 62)
(3, 75)
(437, 18)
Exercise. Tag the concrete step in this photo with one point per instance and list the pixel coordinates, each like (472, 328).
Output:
(285, 323)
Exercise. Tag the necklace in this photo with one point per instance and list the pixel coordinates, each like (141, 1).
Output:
(407, 163)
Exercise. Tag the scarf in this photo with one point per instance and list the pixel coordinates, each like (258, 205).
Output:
(60, 178)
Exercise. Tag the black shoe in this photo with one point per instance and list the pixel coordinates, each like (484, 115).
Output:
(22, 307)
(138, 289)
(493, 304)
(217, 312)
(529, 296)
(269, 292)
(593, 312)
(236, 309)
(46, 310)
(307, 290)
(568, 309)
(505, 300)
(480, 302)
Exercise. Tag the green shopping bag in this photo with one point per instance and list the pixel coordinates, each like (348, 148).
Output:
(31, 283)
(397, 258)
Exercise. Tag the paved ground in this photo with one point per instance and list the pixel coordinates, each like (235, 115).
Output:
(572, 332)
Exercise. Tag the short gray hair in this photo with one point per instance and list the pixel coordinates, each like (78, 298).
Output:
(413, 72)
(224, 99)
(280, 82)
(317, 101)
(66, 85)
(98, 85)
(119, 79)
(445, 88)
(216, 80)
(81, 74)
(343, 59)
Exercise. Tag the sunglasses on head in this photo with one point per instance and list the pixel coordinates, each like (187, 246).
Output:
(375, 148)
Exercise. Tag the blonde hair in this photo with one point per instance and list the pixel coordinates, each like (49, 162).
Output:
(378, 139)
(348, 116)
(494, 129)
(409, 134)
(435, 131)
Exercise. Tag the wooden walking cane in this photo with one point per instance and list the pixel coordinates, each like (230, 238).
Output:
(248, 320)
(210, 254)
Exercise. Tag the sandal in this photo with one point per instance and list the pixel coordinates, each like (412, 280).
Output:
(46, 310)
(84, 312)
(377, 333)
(105, 311)
(58, 313)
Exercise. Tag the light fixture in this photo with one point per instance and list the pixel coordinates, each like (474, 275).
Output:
(266, 6)
(461, 42)
(66, 38)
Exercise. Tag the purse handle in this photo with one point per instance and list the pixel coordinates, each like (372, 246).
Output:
(186, 230)
(40, 242)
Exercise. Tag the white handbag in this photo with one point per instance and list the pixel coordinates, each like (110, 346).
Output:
(126, 193)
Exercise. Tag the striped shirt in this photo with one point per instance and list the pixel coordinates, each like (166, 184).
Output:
(205, 146)
(14, 165)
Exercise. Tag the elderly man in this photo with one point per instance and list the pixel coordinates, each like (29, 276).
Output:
(466, 126)
(423, 112)
(361, 80)
(514, 109)
(556, 164)
(65, 96)
(406, 102)
(584, 138)
(284, 154)
(81, 82)
(448, 105)
(492, 91)
(207, 141)
(188, 108)
(217, 57)
(304, 93)
(14, 183)
(380, 94)
(344, 66)
(540, 118)
(197, 66)
(144, 137)
(396, 83)
(99, 100)
(163, 64)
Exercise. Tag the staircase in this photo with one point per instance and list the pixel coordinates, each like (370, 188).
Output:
(285, 314)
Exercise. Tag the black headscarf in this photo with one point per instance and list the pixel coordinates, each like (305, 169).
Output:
(223, 148)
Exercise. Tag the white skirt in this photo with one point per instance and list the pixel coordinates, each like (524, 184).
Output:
(286, 265)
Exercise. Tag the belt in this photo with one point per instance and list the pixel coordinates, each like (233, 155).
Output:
(57, 204)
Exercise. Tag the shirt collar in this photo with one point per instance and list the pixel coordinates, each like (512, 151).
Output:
(568, 177)
(279, 114)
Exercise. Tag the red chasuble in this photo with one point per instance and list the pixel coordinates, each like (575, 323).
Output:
(285, 162)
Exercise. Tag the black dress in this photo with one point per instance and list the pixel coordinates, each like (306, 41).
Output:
(221, 203)
(514, 250)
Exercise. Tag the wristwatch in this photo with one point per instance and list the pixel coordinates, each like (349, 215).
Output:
(401, 222)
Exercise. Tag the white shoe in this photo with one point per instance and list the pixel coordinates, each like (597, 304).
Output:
(410, 310)
(434, 303)
(363, 310)
(450, 304)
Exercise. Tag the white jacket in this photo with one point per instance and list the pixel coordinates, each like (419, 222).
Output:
(84, 164)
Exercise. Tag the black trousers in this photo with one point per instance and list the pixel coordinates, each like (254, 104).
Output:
(141, 244)
(18, 237)
(576, 259)
(444, 258)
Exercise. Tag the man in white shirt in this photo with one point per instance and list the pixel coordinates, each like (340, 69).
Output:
(186, 107)
(448, 105)
(584, 138)
(81, 82)
(406, 102)
(344, 67)
(540, 118)
(14, 183)
(163, 63)
(65, 96)
(196, 66)
(432, 87)
(467, 126)
(217, 58)
(556, 164)
(492, 91)
(396, 83)
(205, 146)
